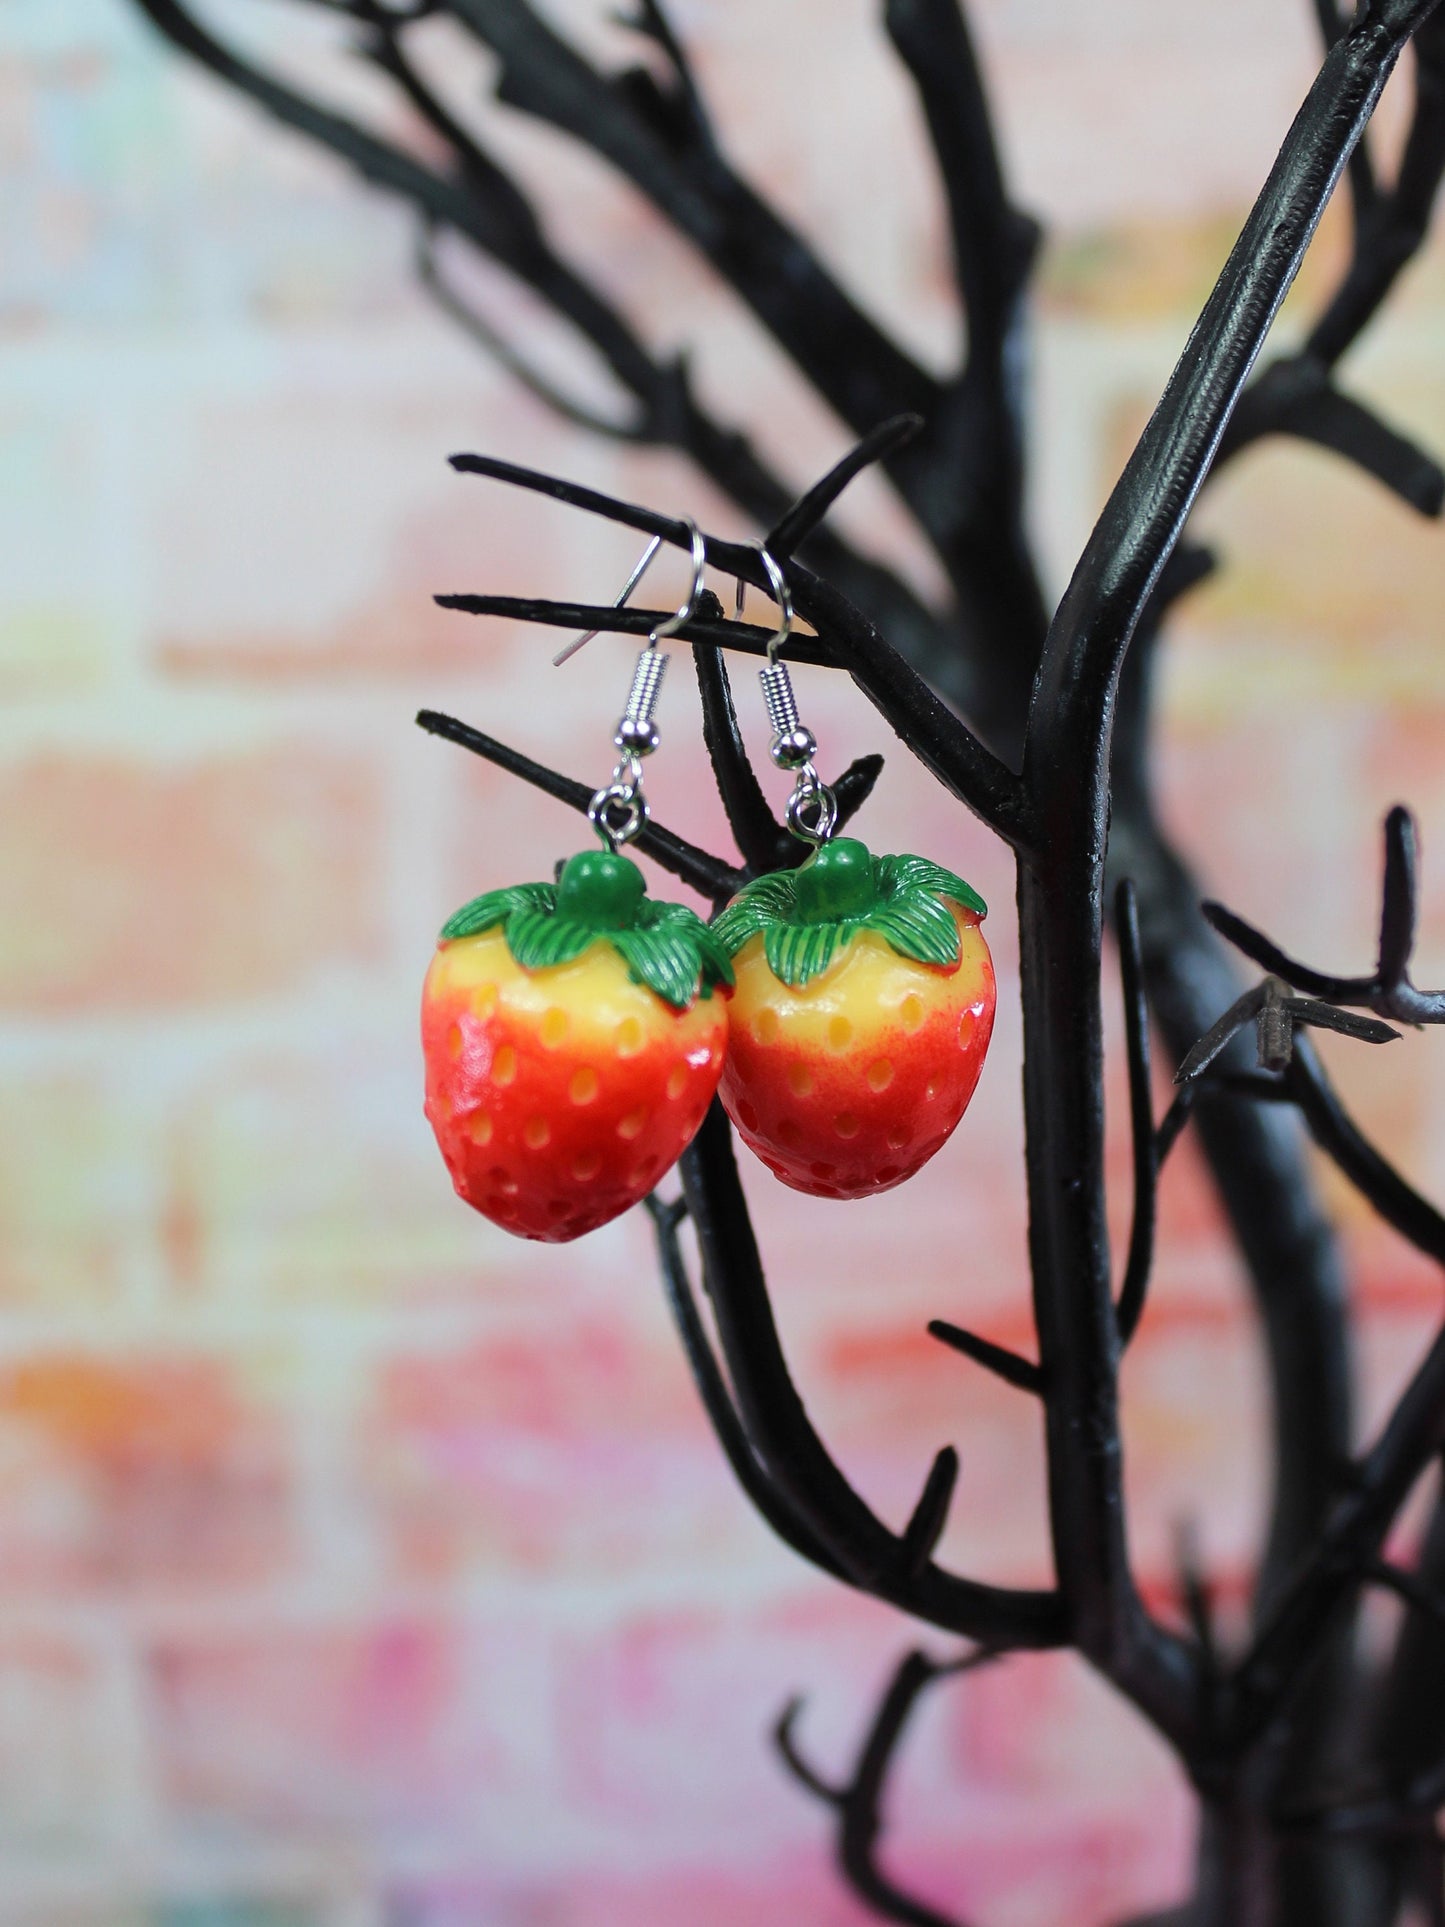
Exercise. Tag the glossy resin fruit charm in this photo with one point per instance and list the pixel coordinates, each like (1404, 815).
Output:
(863, 1009)
(573, 1037)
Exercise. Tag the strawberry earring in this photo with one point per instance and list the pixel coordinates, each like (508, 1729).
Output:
(572, 1035)
(864, 996)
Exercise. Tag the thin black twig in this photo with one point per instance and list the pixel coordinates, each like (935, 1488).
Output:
(1388, 991)
(784, 1439)
(859, 1802)
(707, 874)
(794, 528)
(769, 1503)
(1014, 1370)
(1129, 1308)
(1407, 1586)
(759, 835)
(929, 1517)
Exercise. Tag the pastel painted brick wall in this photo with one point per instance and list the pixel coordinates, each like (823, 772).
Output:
(358, 1565)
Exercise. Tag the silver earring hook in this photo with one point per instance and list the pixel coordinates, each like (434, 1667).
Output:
(688, 609)
(619, 810)
(684, 614)
(580, 642)
(781, 595)
(812, 811)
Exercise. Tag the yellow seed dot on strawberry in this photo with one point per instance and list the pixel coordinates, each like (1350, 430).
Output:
(677, 1080)
(504, 1065)
(765, 1026)
(631, 1125)
(553, 1028)
(629, 1037)
(912, 1011)
(479, 1128)
(536, 1133)
(800, 1080)
(880, 1074)
(840, 1033)
(584, 1085)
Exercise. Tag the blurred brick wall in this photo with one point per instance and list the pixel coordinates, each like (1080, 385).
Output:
(359, 1565)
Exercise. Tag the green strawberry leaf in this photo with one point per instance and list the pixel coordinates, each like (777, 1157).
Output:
(538, 939)
(682, 926)
(920, 927)
(798, 952)
(906, 874)
(486, 912)
(668, 969)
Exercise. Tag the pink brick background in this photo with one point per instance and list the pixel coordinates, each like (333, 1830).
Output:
(360, 1567)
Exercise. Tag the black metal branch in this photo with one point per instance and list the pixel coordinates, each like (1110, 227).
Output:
(794, 528)
(707, 874)
(747, 638)
(929, 1517)
(1149, 504)
(1282, 1649)
(1173, 1122)
(1407, 1586)
(770, 1504)
(1397, 1201)
(1389, 991)
(1129, 1308)
(1389, 233)
(993, 243)
(1399, 897)
(1198, 1600)
(1407, 1745)
(480, 202)
(510, 358)
(1066, 776)
(855, 786)
(864, 374)
(1296, 396)
(1361, 166)
(1275, 1016)
(759, 835)
(683, 104)
(968, 481)
(1019, 1372)
(859, 1803)
(940, 741)
(784, 1440)
(1432, 1876)
(764, 842)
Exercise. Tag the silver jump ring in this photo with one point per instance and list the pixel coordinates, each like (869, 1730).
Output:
(812, 811)
(618, 813)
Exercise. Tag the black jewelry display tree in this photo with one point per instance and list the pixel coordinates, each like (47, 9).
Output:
(1319, 1773)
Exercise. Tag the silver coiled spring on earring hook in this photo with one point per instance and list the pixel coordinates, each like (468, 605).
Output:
(619, 809)
(812, 810)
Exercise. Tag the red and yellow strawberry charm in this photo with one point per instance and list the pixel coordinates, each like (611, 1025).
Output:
(863, 1007)
(574, 1036)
